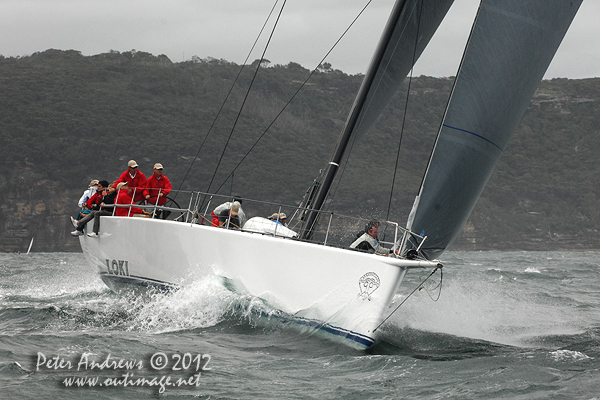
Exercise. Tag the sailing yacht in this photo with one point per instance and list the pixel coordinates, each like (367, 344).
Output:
(346, 293)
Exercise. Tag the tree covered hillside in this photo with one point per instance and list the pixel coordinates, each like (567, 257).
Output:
(67, 118)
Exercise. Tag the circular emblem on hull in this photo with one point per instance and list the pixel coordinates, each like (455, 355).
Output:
(368, 283)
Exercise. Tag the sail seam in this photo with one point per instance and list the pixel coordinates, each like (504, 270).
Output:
(474, 134)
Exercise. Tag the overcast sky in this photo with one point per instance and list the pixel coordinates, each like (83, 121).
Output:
(226, 29)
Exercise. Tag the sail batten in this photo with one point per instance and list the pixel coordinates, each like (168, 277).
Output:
(510, 48)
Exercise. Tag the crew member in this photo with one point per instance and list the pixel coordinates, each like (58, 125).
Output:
(158, 186)
(123, 198)
(367, 241)
(229, 218)
(226, 206)
(135, 179)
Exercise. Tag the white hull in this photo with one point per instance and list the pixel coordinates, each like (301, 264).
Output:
(340, 291)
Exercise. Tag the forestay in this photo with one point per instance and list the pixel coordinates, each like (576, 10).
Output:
(508, 52)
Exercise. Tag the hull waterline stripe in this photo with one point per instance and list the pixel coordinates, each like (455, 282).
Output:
(335, 330)
(138, 281)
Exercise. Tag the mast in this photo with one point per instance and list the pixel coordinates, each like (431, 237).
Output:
(409, 28)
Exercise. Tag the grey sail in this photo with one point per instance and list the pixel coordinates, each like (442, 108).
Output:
(508, 52)
(409, 28)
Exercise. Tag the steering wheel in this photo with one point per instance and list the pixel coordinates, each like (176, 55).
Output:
(164, 214)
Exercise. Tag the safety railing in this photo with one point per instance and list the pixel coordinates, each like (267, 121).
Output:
(332, 229)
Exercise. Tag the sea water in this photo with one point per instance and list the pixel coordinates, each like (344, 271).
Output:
(499, 325)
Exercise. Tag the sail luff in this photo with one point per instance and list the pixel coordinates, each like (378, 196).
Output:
(510, 48)
(409, 28)
(411, 216)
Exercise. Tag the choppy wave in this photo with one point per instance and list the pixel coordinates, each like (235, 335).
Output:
(507, 325)
(500, 303)
(86, 305)
(568, 355)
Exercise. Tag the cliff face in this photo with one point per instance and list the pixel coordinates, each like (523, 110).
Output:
(32, 206)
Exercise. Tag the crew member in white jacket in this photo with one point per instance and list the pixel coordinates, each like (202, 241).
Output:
(89, 192)
(226, 206)
(368, 240)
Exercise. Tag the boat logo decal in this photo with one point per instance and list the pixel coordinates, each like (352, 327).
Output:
(368, 283)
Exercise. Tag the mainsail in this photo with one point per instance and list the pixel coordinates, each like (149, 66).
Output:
(508, 52)
(410, 26)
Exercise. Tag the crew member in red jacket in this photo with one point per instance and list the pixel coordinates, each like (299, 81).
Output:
(124, 198)
(95, 199)
(157, 185)
(135, 179)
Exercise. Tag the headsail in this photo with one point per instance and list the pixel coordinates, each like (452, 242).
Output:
(510, 48)
(411, 25)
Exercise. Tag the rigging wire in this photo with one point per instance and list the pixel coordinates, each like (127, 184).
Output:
(237, 118)
(342, 170)
(419, 287)
(439, 285)
(387, 217)
(227, 96)
(296, 93)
